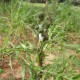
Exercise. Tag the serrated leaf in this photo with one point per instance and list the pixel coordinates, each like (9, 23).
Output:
(44, 48)
(30, 46)
(24, 46)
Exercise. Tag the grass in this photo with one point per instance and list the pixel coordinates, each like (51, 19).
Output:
(18, 25)
(35, 4)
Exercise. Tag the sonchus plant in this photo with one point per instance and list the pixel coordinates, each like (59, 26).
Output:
(52, 28)
(41, 32)
(51, 37)
(41, 38)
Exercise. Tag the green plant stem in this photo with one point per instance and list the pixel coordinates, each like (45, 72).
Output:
(40, 63)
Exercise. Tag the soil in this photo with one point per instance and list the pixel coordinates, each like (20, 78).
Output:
(10, 74)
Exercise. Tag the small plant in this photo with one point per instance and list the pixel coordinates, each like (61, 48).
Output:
(32, 33)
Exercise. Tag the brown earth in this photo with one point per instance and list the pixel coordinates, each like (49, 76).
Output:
(16, 68)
